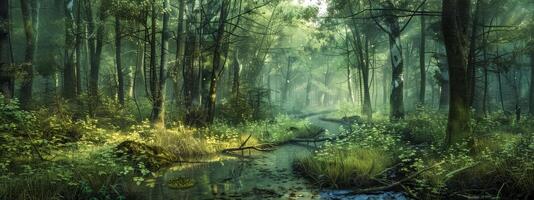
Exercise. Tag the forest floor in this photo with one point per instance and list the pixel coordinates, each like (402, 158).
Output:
(52, 156)
(256, 175)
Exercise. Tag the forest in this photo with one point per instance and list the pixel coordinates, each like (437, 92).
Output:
(266, 99)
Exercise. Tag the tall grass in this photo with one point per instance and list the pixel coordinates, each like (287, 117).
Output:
(357, 167)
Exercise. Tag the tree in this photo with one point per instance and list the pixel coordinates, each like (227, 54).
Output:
(422, 68)
(6, 79)
(69, 70)
(27, 66)
(531, 100)
(393, 29)
(455, 25)
(118, 61)
(157, 75)
(217, 60)
(96, 43)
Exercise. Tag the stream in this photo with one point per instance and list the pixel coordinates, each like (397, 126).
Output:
(257, 175)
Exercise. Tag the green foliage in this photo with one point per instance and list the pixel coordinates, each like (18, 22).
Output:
(499, 161)
(347, 167)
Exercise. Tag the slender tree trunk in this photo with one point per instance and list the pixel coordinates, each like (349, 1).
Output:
(118, 61)
(443, 81)
(27, 67)
(179, 48)
(236, 71)
(422, 68)
(455, 23)
(69, 71)
(218, 65)
(501, 98)
(531, 100)
(6, 77)
(95, 41)
(485, 71)
(471, 65)
(287, 80)
(78, 47)
(188, 68)
(158, 75)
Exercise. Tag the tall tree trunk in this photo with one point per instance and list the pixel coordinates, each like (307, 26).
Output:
(367, 108)
(531, 100)
(422, 68)
(69, 71)
(158, 74)
(217, 64)
(287, 81)
(78, 47)
(179, 48)
(96, 42)
(471, 64)
(118, 61)
(397, 62)
(455, 23)
(6, 77)
(27, 67)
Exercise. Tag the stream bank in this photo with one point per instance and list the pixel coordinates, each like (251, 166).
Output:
(256, 175)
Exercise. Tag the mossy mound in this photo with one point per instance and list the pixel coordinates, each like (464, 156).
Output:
(152, 156)
(181, 183)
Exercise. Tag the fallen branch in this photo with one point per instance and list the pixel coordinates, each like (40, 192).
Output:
(392, 185)
(261, 147)
(242, 145)
(453, 173)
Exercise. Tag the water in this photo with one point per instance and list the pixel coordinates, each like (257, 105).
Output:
(260, 175)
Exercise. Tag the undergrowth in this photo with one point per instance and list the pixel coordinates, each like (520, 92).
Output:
(55, 153)
(497, 162)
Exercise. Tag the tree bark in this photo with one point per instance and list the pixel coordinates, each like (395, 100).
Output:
(78, 47)
(158, 75)
(471, 65)
(455, 22)
(179, 49)
(96, 42)
(118, 61)
(69, 71)
(27, 67)
(422, 68)
(218, 66)
(6, 77)
(397, 63)
(531, 100)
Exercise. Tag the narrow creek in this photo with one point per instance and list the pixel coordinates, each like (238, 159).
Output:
(258, 175)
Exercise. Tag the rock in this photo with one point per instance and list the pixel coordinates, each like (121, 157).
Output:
(152, 156)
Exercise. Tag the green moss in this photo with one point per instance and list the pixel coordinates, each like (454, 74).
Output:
(181, 183)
